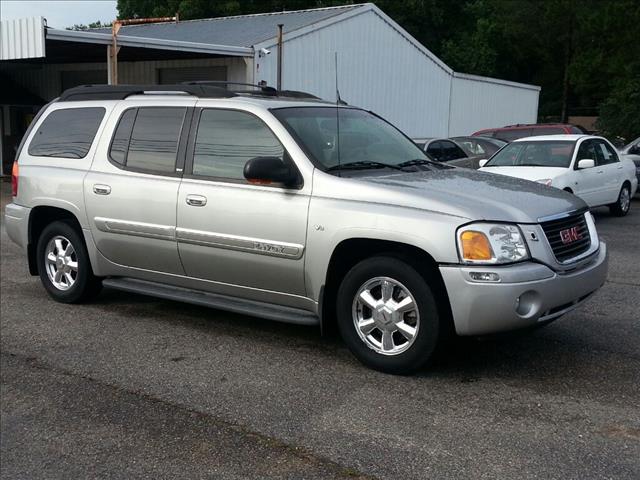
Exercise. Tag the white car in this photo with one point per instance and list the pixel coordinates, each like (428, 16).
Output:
(584, 165)
(632, 152)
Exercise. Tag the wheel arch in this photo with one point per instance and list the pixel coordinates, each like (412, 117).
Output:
(39, 217)
(351, 251)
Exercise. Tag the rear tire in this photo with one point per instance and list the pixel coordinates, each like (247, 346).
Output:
(623, 204)
(64, 266)
(387, 315)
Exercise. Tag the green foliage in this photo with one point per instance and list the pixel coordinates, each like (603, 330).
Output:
(82, 26)
(583, 53)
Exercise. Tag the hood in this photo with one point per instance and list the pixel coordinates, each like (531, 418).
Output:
(528, 173)
(474, 195)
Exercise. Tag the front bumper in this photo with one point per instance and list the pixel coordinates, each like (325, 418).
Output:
(527, 294)
(16, 220)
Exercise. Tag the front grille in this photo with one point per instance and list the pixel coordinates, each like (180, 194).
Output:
(566, 251)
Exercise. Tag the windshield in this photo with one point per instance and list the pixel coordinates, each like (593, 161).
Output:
(363, 136)
(552, 153)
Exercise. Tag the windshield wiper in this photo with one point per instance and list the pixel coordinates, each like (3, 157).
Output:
(422, 161)
(363, 165)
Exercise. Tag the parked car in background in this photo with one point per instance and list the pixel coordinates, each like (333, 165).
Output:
(632, 152)
(246, 202)
(514, 132)
(479, 147)
(585, 165)
(447, 151)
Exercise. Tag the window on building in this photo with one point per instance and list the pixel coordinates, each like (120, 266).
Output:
(147, 139)
(67, 133)
(226, 140)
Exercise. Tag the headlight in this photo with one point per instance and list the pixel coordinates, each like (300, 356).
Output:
(488, 243)
(545, 181)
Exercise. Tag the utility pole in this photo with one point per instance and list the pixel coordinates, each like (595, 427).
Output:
(113, 49)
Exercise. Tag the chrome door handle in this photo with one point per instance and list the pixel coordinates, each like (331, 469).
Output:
(620, 167)
(100, 189)
(196, 200)
(601, 171)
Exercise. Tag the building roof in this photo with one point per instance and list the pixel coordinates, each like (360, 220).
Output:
(238, 31)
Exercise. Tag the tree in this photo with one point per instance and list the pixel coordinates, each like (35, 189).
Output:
(581, 52)
(97, 24)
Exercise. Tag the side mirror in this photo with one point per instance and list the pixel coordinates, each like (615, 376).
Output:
(586, 163)
(483, 162)
(268, 170)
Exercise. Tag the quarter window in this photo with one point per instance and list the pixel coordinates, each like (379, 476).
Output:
(227, 139)
(147, 138)
(67, 133)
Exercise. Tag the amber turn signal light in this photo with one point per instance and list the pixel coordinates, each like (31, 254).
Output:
(475, 246)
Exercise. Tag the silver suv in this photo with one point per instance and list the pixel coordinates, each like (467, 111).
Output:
(282, 206)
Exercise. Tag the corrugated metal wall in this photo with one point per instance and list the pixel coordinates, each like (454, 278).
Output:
(478, 103)
(22, 38)
(46, 80)
(378, 70)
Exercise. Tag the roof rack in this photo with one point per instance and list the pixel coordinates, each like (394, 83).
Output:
(120, 92)
(201, 89)
(261, 90)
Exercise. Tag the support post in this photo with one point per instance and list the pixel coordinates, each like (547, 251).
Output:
(280, 45)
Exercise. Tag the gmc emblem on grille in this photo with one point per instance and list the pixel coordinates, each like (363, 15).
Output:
(570, 235)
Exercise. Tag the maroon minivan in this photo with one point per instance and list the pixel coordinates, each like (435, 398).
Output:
(513, 132)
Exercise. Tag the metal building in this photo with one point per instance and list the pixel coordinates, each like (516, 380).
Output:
(380, 67)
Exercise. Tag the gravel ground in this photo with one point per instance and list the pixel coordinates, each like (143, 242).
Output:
(134, 387)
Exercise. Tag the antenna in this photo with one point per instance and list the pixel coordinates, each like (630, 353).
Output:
(338, 102)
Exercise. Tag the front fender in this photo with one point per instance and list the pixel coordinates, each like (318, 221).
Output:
(332, 221)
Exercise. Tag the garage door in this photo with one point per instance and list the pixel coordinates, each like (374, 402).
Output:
(168, 76)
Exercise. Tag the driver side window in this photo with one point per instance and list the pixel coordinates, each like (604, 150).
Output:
(227, 139)
(586, 152)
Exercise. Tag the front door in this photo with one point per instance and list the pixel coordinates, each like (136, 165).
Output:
(586, 182)
(131, 190)
(247, 240)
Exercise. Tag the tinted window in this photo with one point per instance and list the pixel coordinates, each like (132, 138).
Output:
(511, 135)
(534, 154)
(120, 142)
(227, 140)
(154, 140)
(67, 133)
(548, 131)
(435, 150)
(451, 151)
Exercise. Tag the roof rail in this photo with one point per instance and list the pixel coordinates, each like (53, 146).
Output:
(261, 89)
(120, 92)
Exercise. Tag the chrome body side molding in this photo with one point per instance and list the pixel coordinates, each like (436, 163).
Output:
(236, 242)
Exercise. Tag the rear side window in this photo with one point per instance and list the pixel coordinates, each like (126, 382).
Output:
(451, 151)
(67, 133)
(548, 131)
(511, 135)
(147, 138)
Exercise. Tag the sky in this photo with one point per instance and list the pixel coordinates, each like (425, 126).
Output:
(60, 14)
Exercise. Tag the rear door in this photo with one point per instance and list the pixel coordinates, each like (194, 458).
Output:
(612, 172)
(131, 190)
(248, 240)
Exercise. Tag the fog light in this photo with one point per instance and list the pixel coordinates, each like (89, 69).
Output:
(484, 276)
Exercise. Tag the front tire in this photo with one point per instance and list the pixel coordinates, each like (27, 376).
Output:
(622, 205)
(64, 266)
(387, 315)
